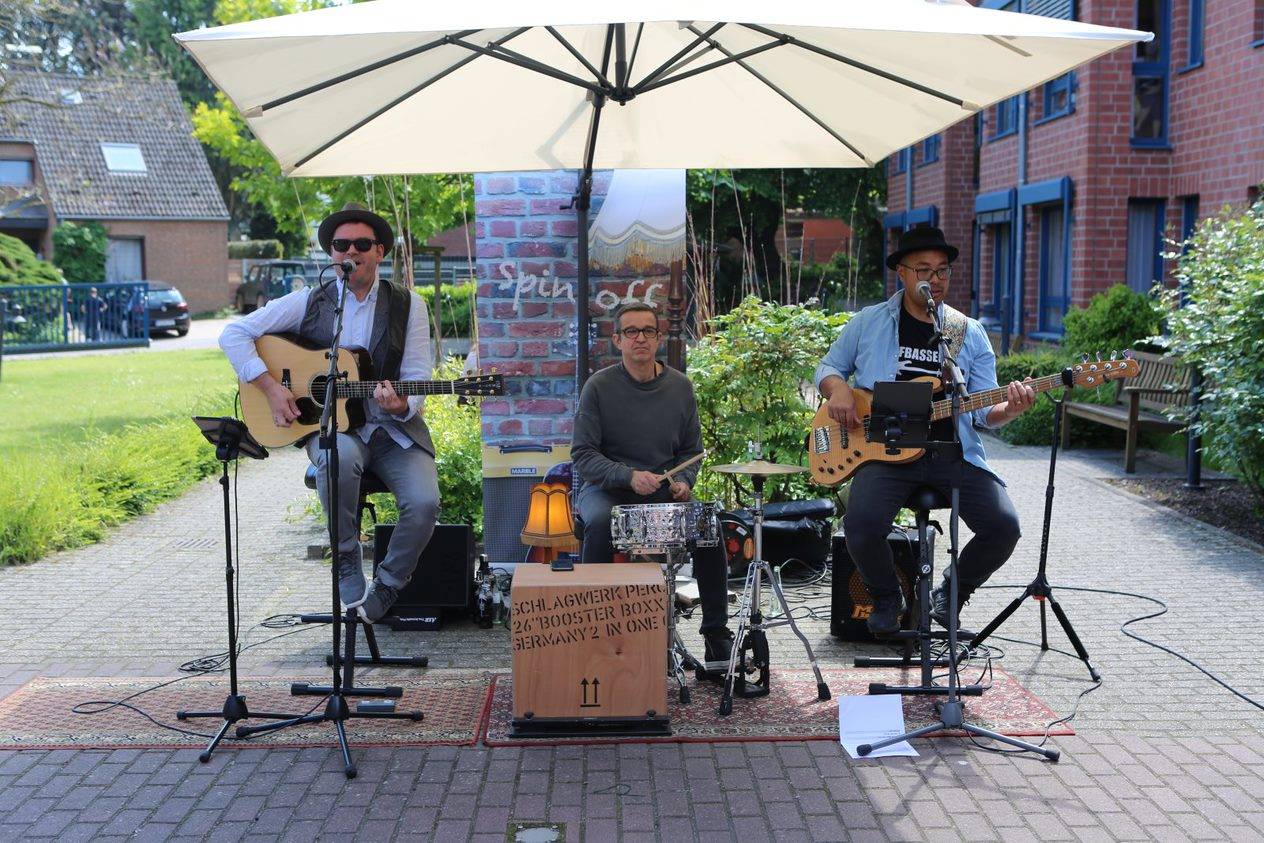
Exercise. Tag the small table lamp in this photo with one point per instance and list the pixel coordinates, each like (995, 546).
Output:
(549, 524)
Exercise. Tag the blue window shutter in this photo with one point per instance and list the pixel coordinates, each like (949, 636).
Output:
(1064, 9)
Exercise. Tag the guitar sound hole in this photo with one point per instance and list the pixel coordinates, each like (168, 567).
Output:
(308, 411)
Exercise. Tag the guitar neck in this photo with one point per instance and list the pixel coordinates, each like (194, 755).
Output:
(364, 389)
(942, 409)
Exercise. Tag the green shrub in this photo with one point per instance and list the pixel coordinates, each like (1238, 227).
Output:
(255, 249)
(750, 376)
(18, 264)
(1220, 329)
(79, 249)
(1115, 320)
(456, 307)
(1035, 427)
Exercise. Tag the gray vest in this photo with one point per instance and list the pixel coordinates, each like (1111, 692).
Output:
(386, 347)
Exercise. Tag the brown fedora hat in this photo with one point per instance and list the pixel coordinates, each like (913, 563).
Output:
(355, 212)
(918, 240)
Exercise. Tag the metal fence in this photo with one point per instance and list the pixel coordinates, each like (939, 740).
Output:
(55, 317)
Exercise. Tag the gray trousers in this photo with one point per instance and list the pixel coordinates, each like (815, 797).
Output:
(410, 475)
(879, 490)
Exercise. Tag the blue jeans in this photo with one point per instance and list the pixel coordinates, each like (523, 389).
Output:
(410, 475)
(879, 490)
(710, 568)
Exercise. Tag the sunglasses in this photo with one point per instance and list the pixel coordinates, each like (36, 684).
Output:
(362, 244)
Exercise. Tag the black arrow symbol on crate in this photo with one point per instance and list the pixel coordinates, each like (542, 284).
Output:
(584, 685)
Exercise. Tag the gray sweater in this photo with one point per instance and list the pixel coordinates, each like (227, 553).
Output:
(623, 424)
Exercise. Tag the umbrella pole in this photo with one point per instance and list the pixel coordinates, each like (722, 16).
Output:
(583, 200)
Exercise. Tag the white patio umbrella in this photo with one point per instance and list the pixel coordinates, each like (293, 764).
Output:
(372, 88)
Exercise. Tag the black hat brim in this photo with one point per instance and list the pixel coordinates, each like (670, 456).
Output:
(381, 228)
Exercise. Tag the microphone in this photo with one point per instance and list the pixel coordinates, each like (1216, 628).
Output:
(923, 287)
(347, 266)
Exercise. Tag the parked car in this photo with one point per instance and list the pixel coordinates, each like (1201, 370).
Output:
(271, 280)
(125, 313)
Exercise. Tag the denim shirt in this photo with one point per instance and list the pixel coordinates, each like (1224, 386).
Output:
(868, 347)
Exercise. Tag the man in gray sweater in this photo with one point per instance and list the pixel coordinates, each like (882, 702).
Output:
(636, 420)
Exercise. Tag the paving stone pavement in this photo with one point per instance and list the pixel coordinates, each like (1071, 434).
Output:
(1161, 751)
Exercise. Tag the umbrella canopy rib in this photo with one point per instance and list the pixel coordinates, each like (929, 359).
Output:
(496, 51)
(636, 45)
(798, 105)
(753, 51)
(360, 71)
(890, 77)
(402, 98)
(1013, 47)
(662, 68)
(570, 48)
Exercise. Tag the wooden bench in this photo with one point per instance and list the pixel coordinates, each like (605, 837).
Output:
(1140, 402)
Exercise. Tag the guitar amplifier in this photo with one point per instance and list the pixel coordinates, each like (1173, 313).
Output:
(850, 601)
(442, 583)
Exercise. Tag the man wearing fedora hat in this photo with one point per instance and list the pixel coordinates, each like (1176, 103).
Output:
(391, 323)
(895, 340)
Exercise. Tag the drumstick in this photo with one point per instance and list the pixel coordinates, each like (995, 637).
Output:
(667, 475)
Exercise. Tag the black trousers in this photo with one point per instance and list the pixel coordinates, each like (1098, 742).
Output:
(879, 490)
(710, 568)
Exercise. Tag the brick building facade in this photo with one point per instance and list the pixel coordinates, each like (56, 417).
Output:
(1062, 192)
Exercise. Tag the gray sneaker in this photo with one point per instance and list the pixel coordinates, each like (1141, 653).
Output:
(352, 587)
(378, 601)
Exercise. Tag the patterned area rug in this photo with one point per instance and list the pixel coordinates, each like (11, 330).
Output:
(791, 712)
(39, 715)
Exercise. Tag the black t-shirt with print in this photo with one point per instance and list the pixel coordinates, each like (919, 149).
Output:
(919, 356)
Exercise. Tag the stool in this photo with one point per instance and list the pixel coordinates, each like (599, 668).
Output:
(922, 500)
(370, 484)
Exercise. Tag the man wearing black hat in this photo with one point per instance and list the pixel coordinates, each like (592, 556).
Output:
(895, 340)
(392, 324)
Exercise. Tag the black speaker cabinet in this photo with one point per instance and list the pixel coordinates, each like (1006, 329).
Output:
(442, 582)
(851, 603)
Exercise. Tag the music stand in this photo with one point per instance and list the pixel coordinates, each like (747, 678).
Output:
(231, 439)
(901, 413)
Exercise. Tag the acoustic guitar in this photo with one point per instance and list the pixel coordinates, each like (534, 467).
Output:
(303, 369)
(835, 453)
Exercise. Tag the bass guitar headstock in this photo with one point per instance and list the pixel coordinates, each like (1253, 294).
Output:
(1092, 373)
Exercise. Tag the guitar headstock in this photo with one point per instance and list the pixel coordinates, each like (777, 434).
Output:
(480, 385)
(1091, 373)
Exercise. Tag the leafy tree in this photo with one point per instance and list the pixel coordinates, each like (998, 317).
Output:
(745, 208)
(1114, 320)
(79, 250)
(150, 31)
(1216, 323)
(64, 36)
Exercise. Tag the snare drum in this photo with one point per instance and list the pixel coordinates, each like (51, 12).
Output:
(663, 526)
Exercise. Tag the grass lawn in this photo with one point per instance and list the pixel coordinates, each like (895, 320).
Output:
(88, 442)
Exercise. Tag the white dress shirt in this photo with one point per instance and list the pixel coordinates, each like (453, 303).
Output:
(286, 315)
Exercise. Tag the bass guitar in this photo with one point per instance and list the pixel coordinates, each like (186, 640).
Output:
(835, 453)
(304, 370)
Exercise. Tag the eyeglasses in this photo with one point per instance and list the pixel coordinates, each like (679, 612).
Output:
(362, 244)
(924, 273)
(633, 333)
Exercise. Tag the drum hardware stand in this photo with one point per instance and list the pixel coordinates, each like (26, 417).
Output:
(679, 659)
(951, 710)
(1039, 589)
(336, 709)
(231, 438)
(750, 635)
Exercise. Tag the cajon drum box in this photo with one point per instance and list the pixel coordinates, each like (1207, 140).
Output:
(589, 650)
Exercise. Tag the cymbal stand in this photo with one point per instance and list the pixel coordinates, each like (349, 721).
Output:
(678, 657)
(750, 636)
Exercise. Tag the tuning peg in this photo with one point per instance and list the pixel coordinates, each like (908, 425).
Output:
(1114, 354)
(1084, 357)
(1128, 354)
(1099, 357)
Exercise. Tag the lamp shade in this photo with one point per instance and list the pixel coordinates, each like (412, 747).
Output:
(641, 221)
(549, 517)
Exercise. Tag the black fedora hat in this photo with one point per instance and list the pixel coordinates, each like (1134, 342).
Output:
(921, 239)
(355, 212)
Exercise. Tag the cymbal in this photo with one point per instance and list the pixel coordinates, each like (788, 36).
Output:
(758, 468)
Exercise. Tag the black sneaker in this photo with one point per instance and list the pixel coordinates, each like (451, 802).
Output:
(379, 600)
(939, 605)
(888, 612)
(718, 650)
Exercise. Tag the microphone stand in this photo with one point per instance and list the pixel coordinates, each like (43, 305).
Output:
(951, 710)
(336, 709)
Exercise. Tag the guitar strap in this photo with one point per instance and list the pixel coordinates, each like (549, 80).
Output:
(955, 324)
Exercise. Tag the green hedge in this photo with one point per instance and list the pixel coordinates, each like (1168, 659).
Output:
(456, 306)
(255, 249)
(1115, 320)
(18, 264)
(1035, 427)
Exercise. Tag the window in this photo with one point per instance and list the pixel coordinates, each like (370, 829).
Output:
(1257, 30)
(1006, 122)
(1197, 20)
(1189, 220)
(1145, 243)
(123, 158)
(1058, 97)
(902, 159)
(1150, 76)
(1002, 267)
(16, 172)
(930, 149)
(1053, 268)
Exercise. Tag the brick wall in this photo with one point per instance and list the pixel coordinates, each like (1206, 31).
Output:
(189, 255)
(526, 252)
